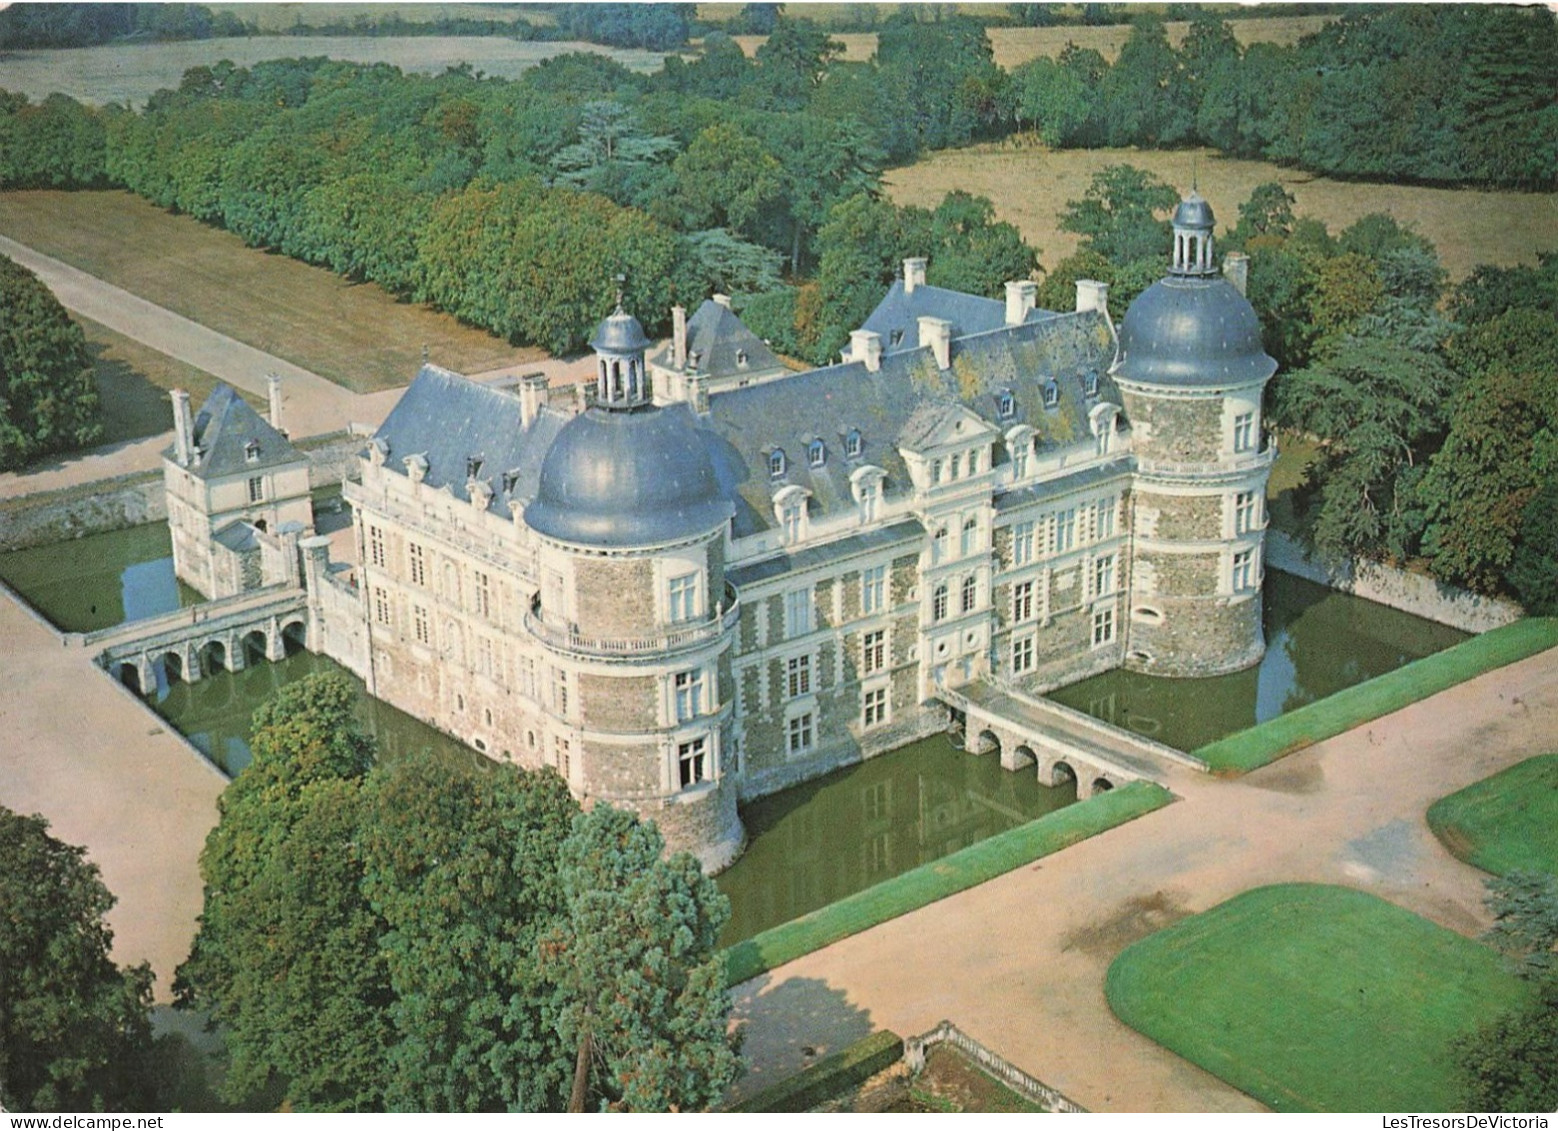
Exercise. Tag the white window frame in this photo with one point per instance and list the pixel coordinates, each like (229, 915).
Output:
(875, 707)
(798, 672)
(1022, 654)
(1022, 601)
(693, 762)
(873, 590)
(683, 597)
(687, 689)
(800, 612)
(873, 651)
(1103, 626)
(1022, 543)
(800, 734)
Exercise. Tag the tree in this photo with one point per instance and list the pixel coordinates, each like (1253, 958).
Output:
(793, 62)
(641, 986)
(725, 179)
(610, 136)
(1052, 99)
(48, 401)
(940, 76)
(1145, 99)
(75, 1032)
(1118, 215)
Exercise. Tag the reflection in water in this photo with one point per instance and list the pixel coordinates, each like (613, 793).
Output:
(818, 842)
(101, 580)
(1317, 642)
(214, 714)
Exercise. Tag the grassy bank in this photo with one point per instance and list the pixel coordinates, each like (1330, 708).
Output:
(1259, 745)
(1504, 823)
(941, 878)
(1314, 998)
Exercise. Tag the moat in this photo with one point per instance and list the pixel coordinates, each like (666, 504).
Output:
(828, 838)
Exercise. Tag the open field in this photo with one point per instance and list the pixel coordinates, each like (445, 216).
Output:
(132, 72)
(1314, 998)
(280, 17)
(1031, 184)
(353, 334)
(1015, 45)
(133, 382)
(1504, 823)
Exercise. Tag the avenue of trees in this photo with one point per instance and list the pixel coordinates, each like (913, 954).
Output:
(48, 400)
(434, 937)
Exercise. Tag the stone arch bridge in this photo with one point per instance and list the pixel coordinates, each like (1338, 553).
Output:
(190, 643)
(1062, 743)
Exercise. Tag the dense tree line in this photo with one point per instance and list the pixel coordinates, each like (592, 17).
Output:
(24, 26)
(427, 937)
(48, 400)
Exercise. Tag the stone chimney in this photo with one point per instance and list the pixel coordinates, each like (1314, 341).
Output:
(1021, 297)
(723, 300)
(1092, 295)
(679, 337)
(937, 334)
(183, 428)
(532, 395)
(273, 391)
(1236, 269)
(698, 393)
(913, 275)
(866, 346)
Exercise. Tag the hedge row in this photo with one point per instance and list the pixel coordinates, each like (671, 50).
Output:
(940, 878)
(1266, 742)
(830, 1077)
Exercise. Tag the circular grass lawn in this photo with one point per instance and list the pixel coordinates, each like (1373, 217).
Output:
(1314, 998)
(1504, 823)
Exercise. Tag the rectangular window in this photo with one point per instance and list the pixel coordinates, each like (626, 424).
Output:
(256, 488)
(376, 546)
(418, 564)
(684, 598)
(792, 513)
(560, 691)
(798, 612)
(1244, 512)
(381, 605)
(800, 733)
(1022, 543)
(797, 676)
(1243, 570)
(1106, 519)
(1244, 432)
(970, 594)
(689, 695)
(562, 756)
(1022, 602)
(1020, 461)
(873, 590)
(874, 706)
(970, 541)
(1103, 627)
(873, 652)
(692, 762)
(483, 595)
(484, 664)
(1065, 530)
(1103, 576)
(419, 620)
(870, 498)
(1022, 655)
(938, 603)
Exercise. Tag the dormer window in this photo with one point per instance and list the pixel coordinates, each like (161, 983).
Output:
(853, 444)
(472, 466)
(741, 358)
(251, 451)
(1090, 384)
(1052, 394)
(895, 338)
(510, 481)
(1005, 404)
(776, 464)
(817, 453)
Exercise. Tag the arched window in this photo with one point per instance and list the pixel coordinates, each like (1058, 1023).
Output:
(970, 535)
(776, 464)
(817, 453)
(938, 544)
(938, 603)
(970, 593)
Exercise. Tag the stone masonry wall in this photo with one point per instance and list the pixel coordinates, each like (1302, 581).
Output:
(1186, 430)
(1197, 638)
(614, 596)
(621, 704)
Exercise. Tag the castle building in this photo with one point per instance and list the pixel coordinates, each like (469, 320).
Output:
(683, 589)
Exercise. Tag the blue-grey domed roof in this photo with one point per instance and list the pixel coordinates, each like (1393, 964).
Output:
(1192, 332)
(620, 333)
(621, 479)
(1193, 212)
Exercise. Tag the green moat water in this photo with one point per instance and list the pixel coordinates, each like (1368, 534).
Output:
(826, 839)
(1318, 642)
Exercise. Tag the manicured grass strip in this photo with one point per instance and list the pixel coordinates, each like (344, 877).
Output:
(1268, 741)
(1504, 823)
(1315, 998)
(829, 1077)
(941, 878)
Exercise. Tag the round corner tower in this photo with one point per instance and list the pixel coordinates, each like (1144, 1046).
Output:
(634, 615)
(1191, 373)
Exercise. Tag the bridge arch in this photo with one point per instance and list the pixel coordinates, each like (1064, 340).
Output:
(171, 664)
(986, 741)
(1016, 755)
(1102, 785)
(254, 646)
(294, 637)
(1060, 772)
(128, 672)
(212, 657)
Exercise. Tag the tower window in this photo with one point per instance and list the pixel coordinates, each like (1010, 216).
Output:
(1244, 432)
(1243, 570)
(817, 453)
(689, 695)
(1244, 512)
(684, 598)
(776, 464)
(692, 762)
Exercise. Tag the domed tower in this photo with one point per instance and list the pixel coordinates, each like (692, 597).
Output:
(1191, 373)
(634, 616)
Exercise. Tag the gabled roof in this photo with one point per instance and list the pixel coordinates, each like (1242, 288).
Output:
(225, 427)
(899, 313)
(721, 340)
(932, 425)
(448, 419)
(749, 423)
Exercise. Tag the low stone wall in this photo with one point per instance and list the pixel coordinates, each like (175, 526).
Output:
(1029, 1088)
(1396, 588)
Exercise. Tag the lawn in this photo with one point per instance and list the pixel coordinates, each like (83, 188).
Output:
(1504, 823)
(1030, 186)
(1314, 998)
(356, 335)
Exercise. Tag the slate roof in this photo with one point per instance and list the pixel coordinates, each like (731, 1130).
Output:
(901, 311)
(448, 419)
(718, 336)
(1192, 331)
(224, 428)
(905, 533)
(746, 425)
